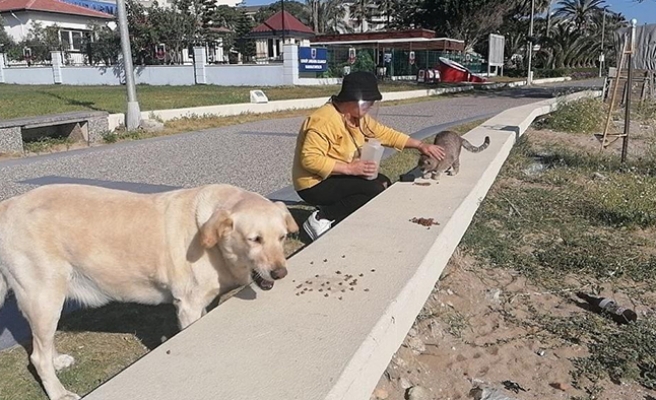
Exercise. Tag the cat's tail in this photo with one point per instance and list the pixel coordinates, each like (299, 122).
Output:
(468, 146)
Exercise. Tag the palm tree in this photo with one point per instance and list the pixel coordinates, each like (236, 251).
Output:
(361, 11)
(580, 12)
(327, 16)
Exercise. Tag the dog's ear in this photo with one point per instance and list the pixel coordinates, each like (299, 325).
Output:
(219, 225)
(292, 227)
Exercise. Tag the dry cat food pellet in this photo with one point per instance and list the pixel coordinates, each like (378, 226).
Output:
(340, 297)
(343, 256)
(422, 183)
(325, 260)
(373, 270)
(325, 295)
(424, 221)
(366, 290)
(361, 274)
(338, 272)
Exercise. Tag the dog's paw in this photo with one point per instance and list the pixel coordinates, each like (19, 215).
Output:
(63, 361)
(69, 396)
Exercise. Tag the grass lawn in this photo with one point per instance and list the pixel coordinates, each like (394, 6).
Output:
(27, 100)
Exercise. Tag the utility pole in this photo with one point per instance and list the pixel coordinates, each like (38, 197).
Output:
(629, 90)
(603, 31)
(529, 78)
(133, 116)
(282, 8)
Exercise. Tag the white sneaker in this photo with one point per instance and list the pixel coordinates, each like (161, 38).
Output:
(316, 227)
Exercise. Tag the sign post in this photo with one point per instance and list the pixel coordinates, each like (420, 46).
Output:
(312, 59)
(352, 56)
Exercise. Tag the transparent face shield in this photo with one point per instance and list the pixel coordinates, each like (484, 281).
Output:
(360, 113)
(368, 108)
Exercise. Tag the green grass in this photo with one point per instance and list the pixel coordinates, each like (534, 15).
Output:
(28, 100)
(582, 116)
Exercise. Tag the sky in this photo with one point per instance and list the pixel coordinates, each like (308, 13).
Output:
(644, 12)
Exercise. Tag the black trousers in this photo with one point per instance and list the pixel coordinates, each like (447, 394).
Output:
(339, 196)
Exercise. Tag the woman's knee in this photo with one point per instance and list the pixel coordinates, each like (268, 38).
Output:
(384, 180)
(375, 187)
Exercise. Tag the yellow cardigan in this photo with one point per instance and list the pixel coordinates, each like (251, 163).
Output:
(324, 139)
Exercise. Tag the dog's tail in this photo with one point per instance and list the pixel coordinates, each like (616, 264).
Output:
(468, 146)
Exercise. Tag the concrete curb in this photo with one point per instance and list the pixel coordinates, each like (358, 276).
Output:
(225, 110)
(279, 345)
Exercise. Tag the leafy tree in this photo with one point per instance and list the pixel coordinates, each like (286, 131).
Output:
(404, 13)
(227, 17)
(361, 11)
(243, 44)
(299, 10)
(104, 47)
(328, 16)
(6, 42)
(41, 42)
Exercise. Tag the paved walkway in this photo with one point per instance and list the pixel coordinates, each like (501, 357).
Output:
(255, 156)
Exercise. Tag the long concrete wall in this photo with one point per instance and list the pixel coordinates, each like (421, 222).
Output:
(283, 345)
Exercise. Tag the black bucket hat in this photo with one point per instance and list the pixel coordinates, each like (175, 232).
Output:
(360, 85)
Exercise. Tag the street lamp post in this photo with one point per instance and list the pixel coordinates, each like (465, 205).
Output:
(529, 78)
(133, 116)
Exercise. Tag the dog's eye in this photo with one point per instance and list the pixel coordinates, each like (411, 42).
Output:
(256, 239)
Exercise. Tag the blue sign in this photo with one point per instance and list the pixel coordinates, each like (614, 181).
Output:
(312, 59)
(102, 6)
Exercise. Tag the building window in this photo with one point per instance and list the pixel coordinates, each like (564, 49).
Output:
(71, 40)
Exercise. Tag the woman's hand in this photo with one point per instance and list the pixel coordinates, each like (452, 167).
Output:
(432, 150)
(362, 168)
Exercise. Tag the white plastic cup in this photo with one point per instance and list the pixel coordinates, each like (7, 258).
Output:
(373, 151)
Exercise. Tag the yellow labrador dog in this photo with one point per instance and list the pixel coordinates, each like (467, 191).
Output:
(98, 245)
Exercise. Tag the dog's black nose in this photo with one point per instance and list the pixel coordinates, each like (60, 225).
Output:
(279, 273)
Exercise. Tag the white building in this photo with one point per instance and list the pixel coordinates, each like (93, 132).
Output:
(73, 21)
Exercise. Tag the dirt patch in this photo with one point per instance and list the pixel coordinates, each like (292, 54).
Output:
(641, 136)
(471, 331)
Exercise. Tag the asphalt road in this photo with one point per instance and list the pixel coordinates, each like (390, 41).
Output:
(255, 156)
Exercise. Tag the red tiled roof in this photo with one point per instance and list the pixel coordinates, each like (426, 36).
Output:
(274, 23)
(53, 6)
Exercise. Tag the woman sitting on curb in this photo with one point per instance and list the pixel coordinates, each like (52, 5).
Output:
(327, 170)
